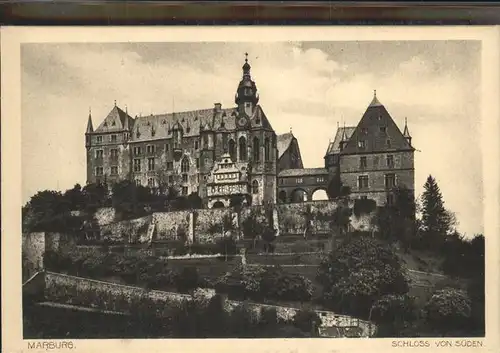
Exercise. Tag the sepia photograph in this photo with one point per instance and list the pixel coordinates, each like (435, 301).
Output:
(210, 189)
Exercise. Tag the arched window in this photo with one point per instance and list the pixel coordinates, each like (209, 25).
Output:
(232, 149)
(255, 187)
(185, 165)
(256, 149)
(243, 149)
(267, 150)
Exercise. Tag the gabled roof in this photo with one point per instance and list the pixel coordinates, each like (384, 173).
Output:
(375, 128)
(346, 132)
(302, 172)
(156, 127)
(283, 142)
(116, 120)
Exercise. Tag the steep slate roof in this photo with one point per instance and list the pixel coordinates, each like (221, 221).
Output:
(160, 126)
(283, 142)
(334, 147)
(376, 117)
(302, 172)
(116, 120)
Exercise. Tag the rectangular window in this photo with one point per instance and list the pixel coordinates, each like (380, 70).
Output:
(138, 182)
(170, 165)
(383, 129)
(390, 199)
(389, 145)
(390, 180)
(196, 145)
(184, 178)
(151, 164)
(299, 181)
(151, 182)
(390, 161)
(137, 151)
(99, 154)
(170, 179)
(137, 165)
(197, 163)
(98, 171)
(364, 130)
(150, 149)
(114, 170)
(99, 139)
(320, 180)
(114, 153)
(362, 162)
(184, 190)
(363, 182)
(361, 144)
(167, 147)
(364, 197)
(113, 138)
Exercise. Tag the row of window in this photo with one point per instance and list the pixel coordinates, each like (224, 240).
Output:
(382, 129)
(99, 154)
(112, 138)
(319, 180)
(170, 165)
(226, 176)
(99, 171)
(150, 149)
(389, 181)
(362, 144)
(389, 161)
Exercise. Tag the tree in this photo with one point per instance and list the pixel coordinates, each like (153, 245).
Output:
(194, 200)
(357, 272)
(336, 189)
(95, 195)
(436, 220)
(397, 222)
(74, 197)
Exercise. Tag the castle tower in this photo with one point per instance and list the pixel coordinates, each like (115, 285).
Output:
(246, 94)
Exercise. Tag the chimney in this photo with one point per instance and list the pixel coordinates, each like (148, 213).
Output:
(217, 107)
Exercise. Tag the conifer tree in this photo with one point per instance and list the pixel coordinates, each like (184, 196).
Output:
(435, 218)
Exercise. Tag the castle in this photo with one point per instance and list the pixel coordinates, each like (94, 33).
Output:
(220, 152)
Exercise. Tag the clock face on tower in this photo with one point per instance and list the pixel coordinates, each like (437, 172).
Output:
(242, 121)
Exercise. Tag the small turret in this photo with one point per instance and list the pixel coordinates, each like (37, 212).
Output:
(406, 132)
(90, 130)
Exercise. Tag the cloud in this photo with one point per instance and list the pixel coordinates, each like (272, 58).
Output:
(305, 88)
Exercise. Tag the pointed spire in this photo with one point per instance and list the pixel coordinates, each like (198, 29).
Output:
(125, 125)
(375, 102)
(246, 66)
(290, 129)
(90, 127)
(406, 132)
(115, 102)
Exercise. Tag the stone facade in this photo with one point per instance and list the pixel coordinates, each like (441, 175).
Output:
(373, 158)
(180, 149)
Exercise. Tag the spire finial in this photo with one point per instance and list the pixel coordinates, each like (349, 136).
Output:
(90, 111)
(406, 120)
(246, 57)
(115, 102)
(290, 129)
(375, 93)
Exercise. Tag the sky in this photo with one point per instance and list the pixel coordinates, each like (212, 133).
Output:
(308, 87)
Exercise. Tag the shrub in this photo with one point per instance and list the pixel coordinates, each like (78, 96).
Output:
(393, 313)
(447, 310)
(187, 279)
(364, 206)
(307, 320)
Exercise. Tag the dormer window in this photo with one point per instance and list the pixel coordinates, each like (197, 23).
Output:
(361, 144)
(113, 123)
(99, 139)
(388, 143)
(383, 129)
(364, 130)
